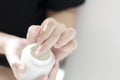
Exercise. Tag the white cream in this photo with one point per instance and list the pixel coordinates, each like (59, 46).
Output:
(36, 66)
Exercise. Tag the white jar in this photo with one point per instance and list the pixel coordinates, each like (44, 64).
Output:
(36, 66)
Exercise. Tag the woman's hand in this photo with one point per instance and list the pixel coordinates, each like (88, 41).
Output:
(13, 49)
(7, 74)
(50, 35)
(53, 35)
(13, 52)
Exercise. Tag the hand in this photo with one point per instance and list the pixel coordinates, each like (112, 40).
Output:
(51, 34)
(13, 49)
(13, 52)
(54, 35)
(7, 74)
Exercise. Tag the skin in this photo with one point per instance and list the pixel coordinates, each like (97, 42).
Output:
(55, 33)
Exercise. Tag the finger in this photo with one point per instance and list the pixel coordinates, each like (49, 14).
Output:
(15, 64)
(47, 44)
(14, 61)
(53, 72)
(33, 33)
(71, 46)
(66, 50)
(48, 27)
(67, 36)
(43, 77)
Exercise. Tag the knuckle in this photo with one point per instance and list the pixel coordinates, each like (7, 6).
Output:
(51, 24)
(44, 35)
(63, 26)
(30, 29)
(52, 20)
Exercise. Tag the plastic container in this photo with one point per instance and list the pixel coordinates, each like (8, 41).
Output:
(36, 66)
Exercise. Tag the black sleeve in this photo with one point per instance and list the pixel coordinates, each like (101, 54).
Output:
(63, 4)
(4, 61)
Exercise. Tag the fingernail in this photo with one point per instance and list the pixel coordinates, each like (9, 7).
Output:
(38, 52)
(21, 69)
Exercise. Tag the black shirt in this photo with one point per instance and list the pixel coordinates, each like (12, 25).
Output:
(17, 15)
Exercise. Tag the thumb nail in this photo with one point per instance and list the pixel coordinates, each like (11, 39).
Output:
(21, 68)
(38, 53)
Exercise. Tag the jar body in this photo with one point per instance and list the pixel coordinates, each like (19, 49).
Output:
(35, 68)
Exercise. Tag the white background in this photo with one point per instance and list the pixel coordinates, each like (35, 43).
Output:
(98, 35)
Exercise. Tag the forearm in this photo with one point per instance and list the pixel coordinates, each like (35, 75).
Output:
(4, 38)
(68, 17)
(6, 73)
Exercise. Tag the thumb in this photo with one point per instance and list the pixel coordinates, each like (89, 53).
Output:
(15, 63)
(12, 54)
(53, 73)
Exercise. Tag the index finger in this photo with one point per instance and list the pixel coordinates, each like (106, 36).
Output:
(52, 75)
